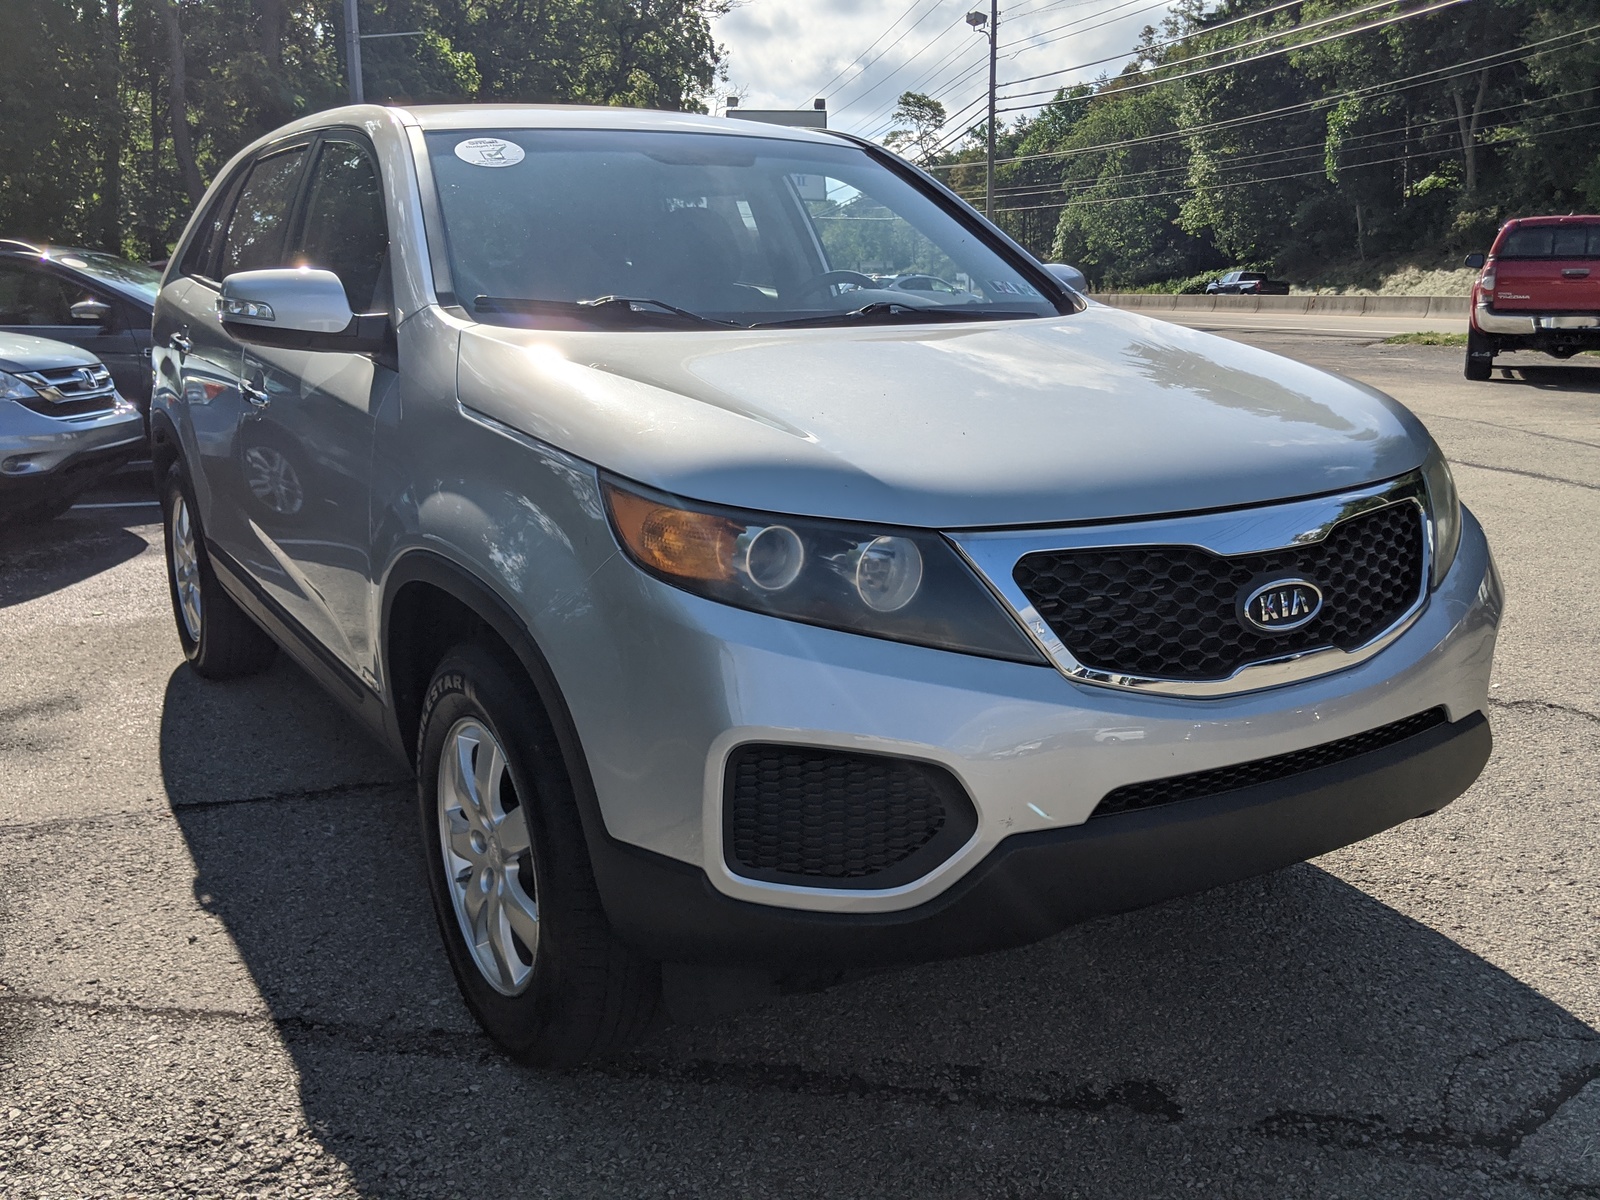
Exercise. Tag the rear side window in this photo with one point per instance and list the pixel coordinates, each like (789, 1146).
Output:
(1551, 241)
(345, 229)
(257, 226)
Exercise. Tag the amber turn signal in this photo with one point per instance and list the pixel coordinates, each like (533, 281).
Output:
(674, 541)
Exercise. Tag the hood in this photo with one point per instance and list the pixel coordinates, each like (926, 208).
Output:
(1095, 416)
(24, 352)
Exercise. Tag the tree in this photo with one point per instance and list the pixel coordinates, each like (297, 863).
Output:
(917, 119)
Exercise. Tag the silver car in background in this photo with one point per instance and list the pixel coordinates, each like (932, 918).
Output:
(63, 426)
(741, 616)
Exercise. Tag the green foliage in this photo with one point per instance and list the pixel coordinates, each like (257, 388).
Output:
(1426, 338)
(1391, 144)
(101, 148)
(917, 119)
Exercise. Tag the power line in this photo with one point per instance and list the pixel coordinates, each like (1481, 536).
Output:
(1254, 182)
(868, 65)
(1403, 83)
(853, 101)
(1242, 161)
(823, 90)
(1202, 31)
(1425, 11)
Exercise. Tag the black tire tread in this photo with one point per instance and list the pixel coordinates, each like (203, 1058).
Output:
(231, 645)
(606, 994)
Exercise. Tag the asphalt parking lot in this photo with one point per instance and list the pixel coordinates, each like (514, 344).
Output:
(219, 975)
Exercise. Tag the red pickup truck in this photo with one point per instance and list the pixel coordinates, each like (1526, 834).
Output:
(1540, 290)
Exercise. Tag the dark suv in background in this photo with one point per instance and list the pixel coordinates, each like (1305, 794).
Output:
(86, 298)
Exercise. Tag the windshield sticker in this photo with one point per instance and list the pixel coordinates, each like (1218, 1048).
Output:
(489, 152)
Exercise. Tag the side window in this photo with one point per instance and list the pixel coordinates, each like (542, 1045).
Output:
(29, 296)
(345, 229)
(256, 228)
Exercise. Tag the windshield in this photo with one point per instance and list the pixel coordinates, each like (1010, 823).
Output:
(735, 229)
(129, 278)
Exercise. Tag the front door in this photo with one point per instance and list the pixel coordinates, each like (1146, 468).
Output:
(305, 449)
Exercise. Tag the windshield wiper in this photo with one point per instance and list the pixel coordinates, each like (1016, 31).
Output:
(603, 309)
(890, 312)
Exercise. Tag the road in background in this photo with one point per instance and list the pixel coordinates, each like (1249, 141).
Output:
(219, 973)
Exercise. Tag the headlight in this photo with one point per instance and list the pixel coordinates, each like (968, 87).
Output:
(904, 585)
(12, 388)
(1444, 513)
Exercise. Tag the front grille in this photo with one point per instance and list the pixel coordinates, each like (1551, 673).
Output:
(826, 818)
(70, 391)
(1156, 792)
(1170, 612)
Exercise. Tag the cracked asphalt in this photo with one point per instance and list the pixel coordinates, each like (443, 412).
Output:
(219, 975)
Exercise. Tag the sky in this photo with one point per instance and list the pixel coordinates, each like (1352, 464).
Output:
(861, 54)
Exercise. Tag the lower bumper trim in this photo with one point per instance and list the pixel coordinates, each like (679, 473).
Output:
(1036, 884)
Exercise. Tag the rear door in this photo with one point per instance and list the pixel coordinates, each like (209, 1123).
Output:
(1548, 268)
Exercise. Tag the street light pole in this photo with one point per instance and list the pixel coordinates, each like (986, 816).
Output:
(352, 50)
(988, 174)
(989, 22)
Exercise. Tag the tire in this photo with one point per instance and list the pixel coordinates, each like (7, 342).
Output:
(1480, 357)
(540, 969)
(218, 639)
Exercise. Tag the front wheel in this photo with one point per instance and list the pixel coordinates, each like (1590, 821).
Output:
(509, 873)
(1480, 357)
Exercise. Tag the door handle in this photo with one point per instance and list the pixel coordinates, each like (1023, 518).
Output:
(180, 343)
(1576, 272)
(258, 397)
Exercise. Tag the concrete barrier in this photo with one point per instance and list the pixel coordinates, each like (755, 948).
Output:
(1374, 306)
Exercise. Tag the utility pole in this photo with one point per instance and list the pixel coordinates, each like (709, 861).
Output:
(989, 22)
(352, 50)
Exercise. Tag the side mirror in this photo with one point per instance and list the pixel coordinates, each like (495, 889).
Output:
(1475, 261)
(296, 308)
(91, 312)
(1069, 276)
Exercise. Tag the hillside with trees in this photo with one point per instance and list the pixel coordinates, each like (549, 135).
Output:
(1311, 139)
(115, 115)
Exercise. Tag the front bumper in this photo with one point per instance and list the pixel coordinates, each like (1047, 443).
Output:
(44, 459)
(686, 681)
(1035, 884)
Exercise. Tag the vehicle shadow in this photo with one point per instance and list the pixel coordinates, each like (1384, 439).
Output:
(1573, 378)
(1293, 1015)
(36, 560)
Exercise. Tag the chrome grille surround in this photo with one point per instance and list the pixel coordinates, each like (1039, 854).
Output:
(70, 391)
(995, 555)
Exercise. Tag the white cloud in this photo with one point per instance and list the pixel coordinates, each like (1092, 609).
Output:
(788, 52)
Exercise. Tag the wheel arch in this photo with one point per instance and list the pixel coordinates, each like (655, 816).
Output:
(431, 603)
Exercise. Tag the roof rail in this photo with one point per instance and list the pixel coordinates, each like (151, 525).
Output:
(19, 244)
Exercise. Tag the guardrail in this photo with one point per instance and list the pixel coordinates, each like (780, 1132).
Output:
(1387, 306)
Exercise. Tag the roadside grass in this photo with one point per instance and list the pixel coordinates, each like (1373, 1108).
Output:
(1426, 338)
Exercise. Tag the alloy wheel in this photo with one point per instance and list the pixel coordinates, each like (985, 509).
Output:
(488, 857)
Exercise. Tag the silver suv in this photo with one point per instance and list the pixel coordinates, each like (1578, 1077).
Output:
(738, 613)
